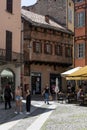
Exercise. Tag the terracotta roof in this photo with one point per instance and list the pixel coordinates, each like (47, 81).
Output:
(39, 20)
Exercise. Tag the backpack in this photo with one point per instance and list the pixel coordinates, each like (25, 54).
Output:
(7, 93)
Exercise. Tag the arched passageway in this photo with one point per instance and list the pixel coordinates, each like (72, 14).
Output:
(7, 77)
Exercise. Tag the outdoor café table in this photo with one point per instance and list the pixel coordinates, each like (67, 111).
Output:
(83, 99)
(61, 96)
(70, 97)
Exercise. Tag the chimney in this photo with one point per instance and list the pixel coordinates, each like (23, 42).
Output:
(47, 18)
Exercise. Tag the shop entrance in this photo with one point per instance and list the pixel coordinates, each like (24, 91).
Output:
(36, 83)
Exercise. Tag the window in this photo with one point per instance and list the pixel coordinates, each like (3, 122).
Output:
(68, 51)
(9, 5)
(69, 15)
(80, 19)
(48, 48)
(37, 47)
(58, 50)
(80, 50)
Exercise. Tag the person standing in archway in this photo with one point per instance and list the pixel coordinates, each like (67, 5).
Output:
(7, 96)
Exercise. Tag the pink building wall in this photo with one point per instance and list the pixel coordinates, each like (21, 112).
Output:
(10, 22)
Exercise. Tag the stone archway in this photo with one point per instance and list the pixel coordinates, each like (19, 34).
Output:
(7, 77)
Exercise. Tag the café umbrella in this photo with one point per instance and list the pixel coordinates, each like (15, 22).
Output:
(57, 87)
(80, 74)
(68, 72)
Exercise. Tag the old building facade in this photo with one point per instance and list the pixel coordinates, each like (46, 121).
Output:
(47, 51)
(10, 56)
(80, 45)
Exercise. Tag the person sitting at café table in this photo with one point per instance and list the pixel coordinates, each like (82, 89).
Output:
(80, 93)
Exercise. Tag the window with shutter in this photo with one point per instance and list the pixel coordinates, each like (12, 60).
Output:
(68, 51)
(9, 6)
(81, 50)
(37, 47)
(8, 45)
(58, 50)
(48, 48)
(80, 19)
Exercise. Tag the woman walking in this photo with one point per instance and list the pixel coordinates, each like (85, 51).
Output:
(46, 94)
(28, 100)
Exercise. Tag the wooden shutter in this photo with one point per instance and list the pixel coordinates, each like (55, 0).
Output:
(8, 45)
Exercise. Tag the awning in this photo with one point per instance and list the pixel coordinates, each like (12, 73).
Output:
(76, 78)
(80, 74)
(67, 73)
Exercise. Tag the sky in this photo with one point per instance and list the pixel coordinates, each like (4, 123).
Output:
(27, 2)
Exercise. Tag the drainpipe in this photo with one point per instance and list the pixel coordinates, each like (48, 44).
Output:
(74, 39)
(85, 32)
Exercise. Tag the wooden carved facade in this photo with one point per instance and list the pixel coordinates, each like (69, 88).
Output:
(46, 46)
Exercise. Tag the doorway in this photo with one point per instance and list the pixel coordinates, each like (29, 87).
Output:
(36, 83)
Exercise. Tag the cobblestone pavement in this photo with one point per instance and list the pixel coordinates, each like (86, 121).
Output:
(67, 117)
(7, 115)
(55, 116)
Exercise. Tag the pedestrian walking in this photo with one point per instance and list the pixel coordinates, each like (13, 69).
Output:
(46, 92)
(18, 100)
(7, 96)
(28, 100)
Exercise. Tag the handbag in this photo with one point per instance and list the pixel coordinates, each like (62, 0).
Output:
(21, 98)
(50, 97)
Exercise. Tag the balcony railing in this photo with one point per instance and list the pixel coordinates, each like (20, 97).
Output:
(8, 56)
